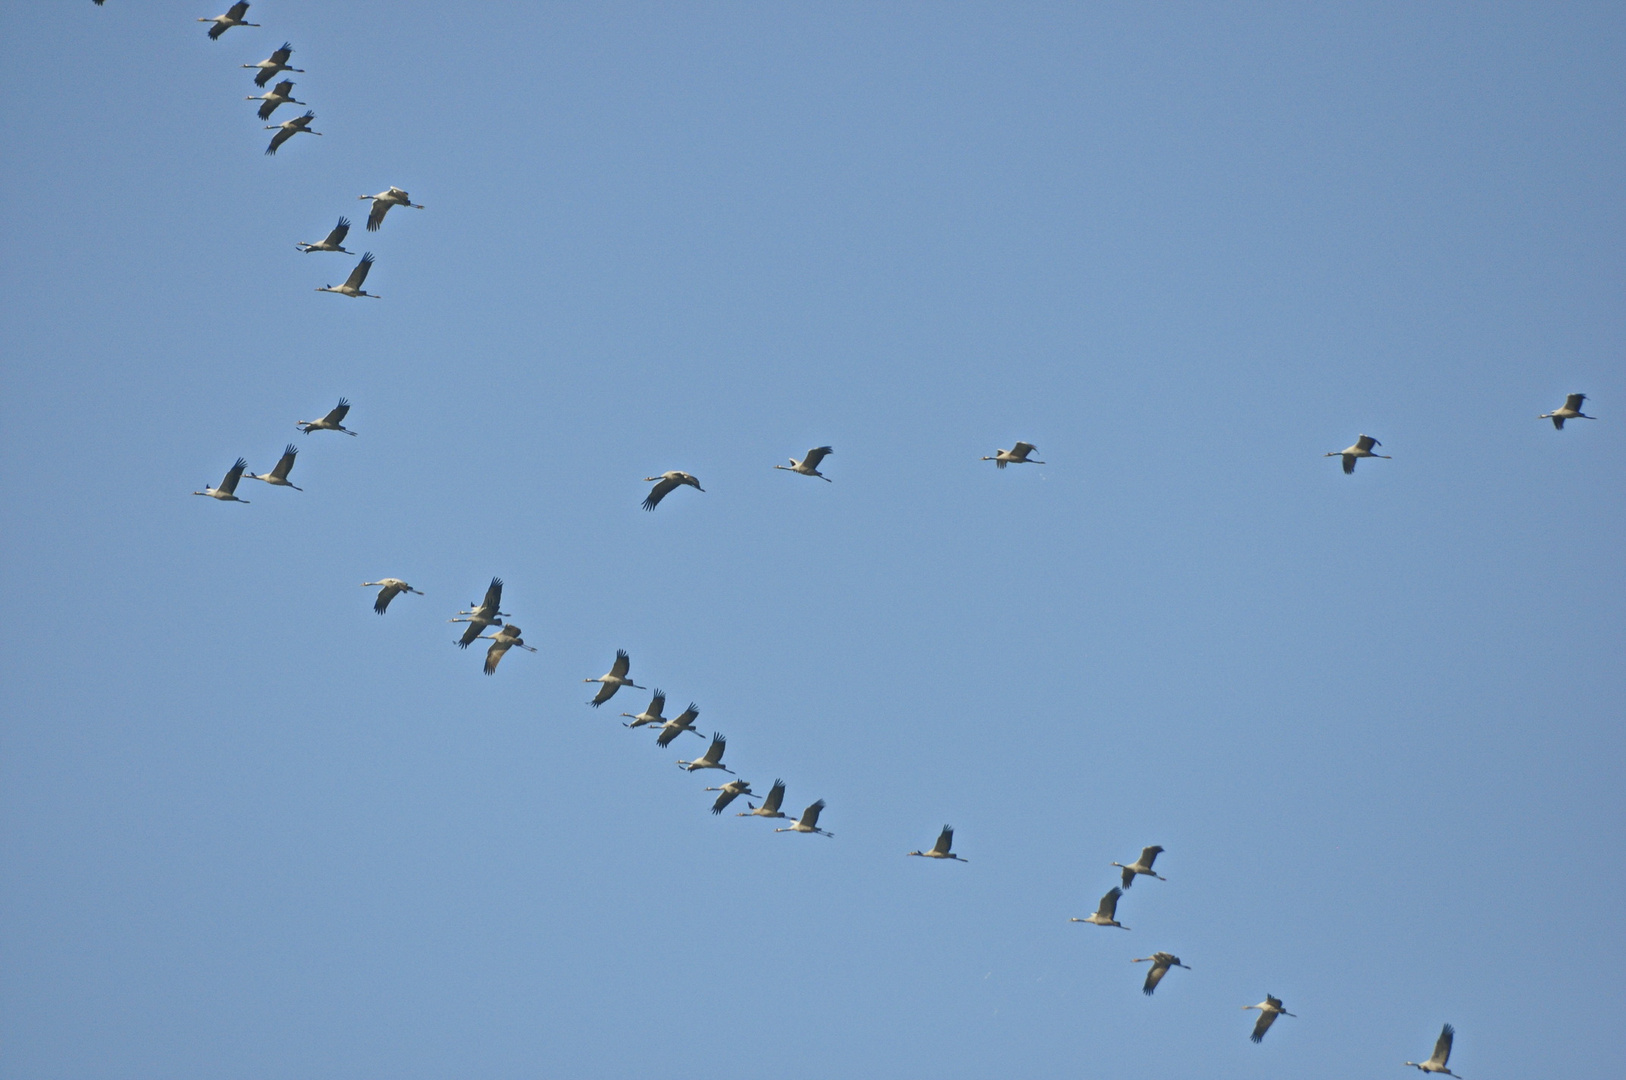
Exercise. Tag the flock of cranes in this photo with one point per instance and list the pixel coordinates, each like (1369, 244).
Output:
(486, 614)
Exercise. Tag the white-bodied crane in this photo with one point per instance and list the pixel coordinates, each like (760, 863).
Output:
(299, 125)
(730, 791)
(503, 640)
(941, 849)
(1441, 1055)
(352, 284)
(391, 196)
(809, 821)
(280, 94)
(1016, 455)
(668, 483)
(770, 806)
(1269, 1010)
(279, 474)
(226, 491)
(1570, 410)
(1107, 913)
(1351, 454)
(333, 421)
(233, 17)
(809, 466)
(683, 721)
(334, 241)
(1161, 963)
(614, 680)
(278, 62)
(651, 715)
(1142, 865)
(711, 759)
(388, 589)
(481, 615)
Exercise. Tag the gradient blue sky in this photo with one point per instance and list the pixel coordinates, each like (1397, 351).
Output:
(252, 830)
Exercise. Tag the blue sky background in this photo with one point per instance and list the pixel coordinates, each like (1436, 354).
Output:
(251, 829)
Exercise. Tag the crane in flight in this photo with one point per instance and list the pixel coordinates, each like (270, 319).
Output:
(481, 615)
(352, 284)
(668, 483)
(299, 125)
(1442, 1051)
(334, 241)
(1107, 913)
(1269, 1010)
(1161, 963)
(614, 680)
(651, 715)
(279, 474)
(770, 805)
(226, 491)
(683, 721)
(1351, 454)
(389, 589)
(233, 17)
(1016, 455)
(280, 94)
(1142, 865)
(730, 791)
(809, 466)
(333, 421)
(809, 821)
(501, 642)
(711, 759)
(390, 196)
(277, 63)
(1570, 410)
(940, 850)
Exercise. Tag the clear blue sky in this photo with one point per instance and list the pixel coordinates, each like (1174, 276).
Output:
(252, 830)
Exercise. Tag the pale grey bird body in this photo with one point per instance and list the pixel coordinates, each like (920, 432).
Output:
(299, 125)
(1161, 963)
(1269, 1010)
(651, 715)
(503, 640)
(1570, 410)
(1351, 454)
(281, 94)
(770, 806)
(1442, 1053)
(809, 821)
(278, 62)
(390, 196)
(226, 491)
(334, 241)
(668, 483)
(614, 680)
(941, 849)
(711, 759)
(352, 284)
(278, 476)
(333, 421)
(730, 791)
(1142, 865)
(1106, 914)
(1020, 454)
(388, 589)
(683, 721)
(809, 466)
(233, 17)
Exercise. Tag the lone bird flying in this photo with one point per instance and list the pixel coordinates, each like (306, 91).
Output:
(1161, 963)
(1016, 455)
(809, 466)
(481, 615)
(279, 474)
(225, 492)
(280, 94)
(1269, 1010)
(1142, 865)
(1107, 913)
(770, 805)
(391, 196)
(711, 759)
(809, 821)
(669, 482)
(1362, 448)
(730, 791)
(1571, 410)
(940, 850)
(388, 589)
(352, 284)
(299, 125)
(1442, 1051)
(277, 62)
(334, 241)
(233, 17)
(333, 421)
(614, 680)
(501, 642)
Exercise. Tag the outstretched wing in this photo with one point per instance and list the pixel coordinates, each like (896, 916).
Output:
(659, 492)
(385, 595)
(281, 56)
(264, 76)
(714, 752)
(470, 635)
(623, 664)
(1573, 402)
(776, 795)
(1149, 855)
(494, 654)
(1128, 877)
(1366, 442)
(1349, 463)
(493, 600)
(287, 463)
(669, 731)
(1262, 1025)
(340, 231)
(729, 793)
(606, 691)
(816, 455)
(229, 484)
(945, 840)
(359, 274)
(810, 816)
(376, 217)
(1442, 1048)
(1154, 977)
(237, 10)
(1023, 449)
(283, 135)
(1109, 903)
(267, 108)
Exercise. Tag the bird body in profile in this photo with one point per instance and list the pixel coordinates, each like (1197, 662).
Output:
(651, 715)
(809, 821)
(334, 241)
(226, 492)
(683, 721)
(388, 589)
(352, 284)
(1142, 865)
(279, 475)
(668, 483)
(391, 196)
(614, 680)
(299, 125)
(503, 640)
(770, 806)
(281, 94)
(941, 849)
(277, 62)
(1571, 410)
(1351, 454)
(1161, 963)
(1269, 1010)
(1107, 913)
(233, 17)
(481, 615)
(333, 421)
(711, 759)
(730, 791)
(1016, 455)
(808, 466)
(1441, 1055)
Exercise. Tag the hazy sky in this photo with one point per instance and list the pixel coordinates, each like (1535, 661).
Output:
(252, 830)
